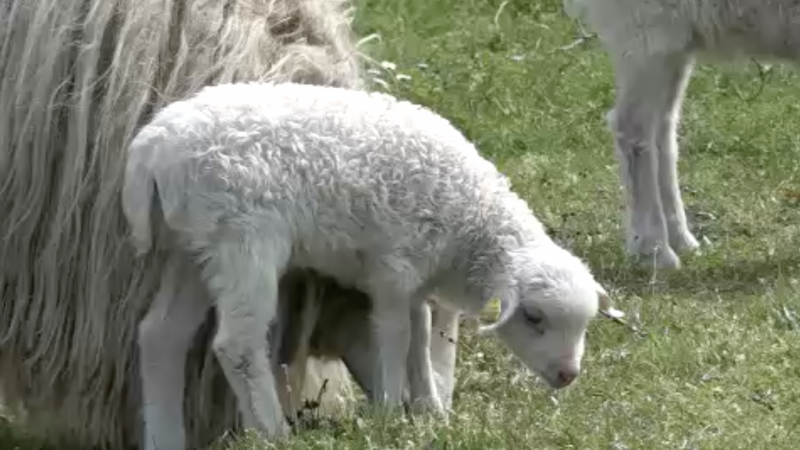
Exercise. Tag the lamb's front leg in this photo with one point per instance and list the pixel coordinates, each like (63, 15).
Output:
(391, 320)
(244, 278)
(640, 88)
(164, 337)
(421, 381)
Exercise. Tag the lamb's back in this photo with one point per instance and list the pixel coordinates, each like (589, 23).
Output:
(352, 163)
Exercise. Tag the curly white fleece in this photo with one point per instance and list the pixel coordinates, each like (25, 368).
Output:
(381, 194)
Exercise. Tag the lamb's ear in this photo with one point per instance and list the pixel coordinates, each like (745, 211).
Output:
(603, 297)
(605, 305)
(508, 304)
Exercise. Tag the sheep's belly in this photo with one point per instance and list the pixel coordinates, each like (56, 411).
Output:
(753, 27)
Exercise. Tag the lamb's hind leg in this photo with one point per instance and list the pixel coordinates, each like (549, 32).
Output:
(164, 338)
(680, 238)
(641, 88)
(244, 278)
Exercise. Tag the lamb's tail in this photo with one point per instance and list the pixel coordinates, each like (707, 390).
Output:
(138, 199)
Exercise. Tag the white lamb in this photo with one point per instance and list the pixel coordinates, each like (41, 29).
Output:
(652, 45)
(380, 194)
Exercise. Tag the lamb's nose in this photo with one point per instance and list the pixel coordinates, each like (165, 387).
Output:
(567, 376)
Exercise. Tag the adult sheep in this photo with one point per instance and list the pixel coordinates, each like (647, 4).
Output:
(252, 179)
(652, 45)
(77, 80)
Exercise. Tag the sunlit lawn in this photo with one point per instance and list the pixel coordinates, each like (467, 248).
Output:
(720, 367)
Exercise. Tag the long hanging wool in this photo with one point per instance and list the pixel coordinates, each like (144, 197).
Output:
(77, 79)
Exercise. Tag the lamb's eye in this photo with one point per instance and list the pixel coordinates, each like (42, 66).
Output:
(533, 319)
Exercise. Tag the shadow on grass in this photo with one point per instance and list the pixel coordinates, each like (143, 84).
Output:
(12, 438)
(712, 273)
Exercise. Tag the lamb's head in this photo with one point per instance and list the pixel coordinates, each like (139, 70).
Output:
(545, 311)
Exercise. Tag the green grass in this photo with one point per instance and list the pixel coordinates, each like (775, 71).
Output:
(720, 368)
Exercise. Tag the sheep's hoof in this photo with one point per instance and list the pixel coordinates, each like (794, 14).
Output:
(663, 258)
(684, 241)
(656, 255)
(667, 259)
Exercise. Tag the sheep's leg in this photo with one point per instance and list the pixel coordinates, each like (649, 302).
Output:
(444, 342)
(293, 333)
(282, 364)
(421, 384)
(164, 337)
(641, 86)
(245, 282)
(360, 356)
(391, 318)
(680, 238)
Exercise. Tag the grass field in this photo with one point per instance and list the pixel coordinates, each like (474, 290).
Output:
(720, 367)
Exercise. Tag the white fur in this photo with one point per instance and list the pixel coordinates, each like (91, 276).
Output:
(378, 193)
(164, 338)
(652, 44)
(361, 355)
(444, 339)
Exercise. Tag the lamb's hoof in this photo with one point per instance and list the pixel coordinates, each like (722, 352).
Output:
(427, 407)
(390, 410)
(280, 433)
(430, 406)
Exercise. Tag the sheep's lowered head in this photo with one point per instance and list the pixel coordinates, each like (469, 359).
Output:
(545, 310)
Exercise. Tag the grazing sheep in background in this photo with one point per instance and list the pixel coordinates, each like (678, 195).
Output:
(77, 80)
(652, 45)
(383, 195)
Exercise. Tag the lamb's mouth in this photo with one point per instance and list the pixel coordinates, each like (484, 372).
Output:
(554, 382)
